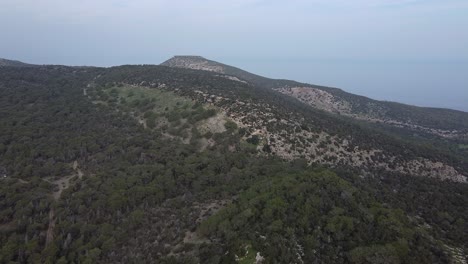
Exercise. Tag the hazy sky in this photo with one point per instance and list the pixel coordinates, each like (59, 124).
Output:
(411, 51)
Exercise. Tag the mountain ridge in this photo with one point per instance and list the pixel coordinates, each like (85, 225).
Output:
(14, 63)
(170, 63)
(338, 101)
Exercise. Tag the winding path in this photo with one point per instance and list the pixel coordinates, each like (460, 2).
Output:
(63, 184)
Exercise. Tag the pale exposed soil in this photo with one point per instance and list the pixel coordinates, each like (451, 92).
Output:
(232, 78)
(205, 143)
(326, 101)
(317, 98)
(213, 124)
(323, 148)
(195, 63)
(62, 183)
(142, 122)
(296, 143)
(458, 254)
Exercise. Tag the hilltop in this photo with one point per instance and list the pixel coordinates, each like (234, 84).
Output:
(13, 63)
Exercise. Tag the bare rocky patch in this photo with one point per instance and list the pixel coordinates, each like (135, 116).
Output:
(291, 139)
(194, 63)
(324, 100)
(213, 124)
(232, 78)
(294, 142)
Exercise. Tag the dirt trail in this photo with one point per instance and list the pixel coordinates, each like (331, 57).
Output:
(62, 184)
(50, 230)
(77, 169)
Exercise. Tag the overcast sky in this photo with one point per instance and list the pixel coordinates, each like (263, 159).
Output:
(411, 51)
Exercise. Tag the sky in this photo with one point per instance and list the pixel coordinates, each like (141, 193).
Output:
(410, 51)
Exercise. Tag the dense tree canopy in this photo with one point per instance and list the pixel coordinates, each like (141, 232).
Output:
(105, 171)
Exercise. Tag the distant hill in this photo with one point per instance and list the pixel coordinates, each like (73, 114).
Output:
(200, 63)
(445, 123)
(13, 63)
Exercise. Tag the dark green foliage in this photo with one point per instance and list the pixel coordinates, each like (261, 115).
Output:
(439, 205)
(230, 125)
(283, 107)
(318, 216)
(142, 191)
(254, 140)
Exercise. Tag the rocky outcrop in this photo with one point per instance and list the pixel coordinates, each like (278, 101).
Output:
(194, 63)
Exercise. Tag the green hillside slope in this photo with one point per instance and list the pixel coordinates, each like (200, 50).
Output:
(151, 164)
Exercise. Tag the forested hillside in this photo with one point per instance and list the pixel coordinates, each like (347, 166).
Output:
(13, 63)
(429, 125)
(289, 129)
(151, 164)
